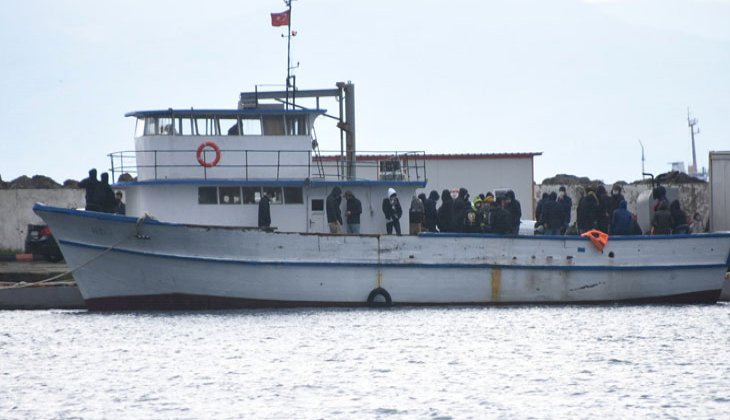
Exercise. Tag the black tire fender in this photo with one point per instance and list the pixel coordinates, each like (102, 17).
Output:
(379, 291)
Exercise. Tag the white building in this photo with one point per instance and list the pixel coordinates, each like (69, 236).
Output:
(477, 172)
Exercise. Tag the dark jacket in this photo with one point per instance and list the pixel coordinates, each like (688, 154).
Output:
(416, 212)
(501, 221)
(538, 209)
(662, 221)
(264, 212)
(392, 209)
(587, 212)
(93, 203)
(616, 201)
(334, 214)
(515, 211)
(566, 203)
(446, 212)
(679, 217)
(604, 207)
(105, 194)
(621, 221)
(354, 209)
(430, 212)
(461, 205)
(552, 213)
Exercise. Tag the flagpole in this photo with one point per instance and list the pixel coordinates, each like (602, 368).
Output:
(288, 53)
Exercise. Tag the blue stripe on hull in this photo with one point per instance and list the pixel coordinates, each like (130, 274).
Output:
(398, 265)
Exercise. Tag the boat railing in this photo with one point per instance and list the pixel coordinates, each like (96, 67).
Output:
(248, 164)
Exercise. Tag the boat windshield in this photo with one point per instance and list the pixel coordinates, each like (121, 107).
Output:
(225, 125)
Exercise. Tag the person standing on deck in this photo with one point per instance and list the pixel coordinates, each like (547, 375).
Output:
(334, 214)
(566, 203)
(416, 215)
(552, 215)
(515, 210)
(353, 210)
(264, 211)
(105, 194)
(446, 212)
(89, 184)
(622, 222)
(431, 215)
(393, 212)
(120, 207)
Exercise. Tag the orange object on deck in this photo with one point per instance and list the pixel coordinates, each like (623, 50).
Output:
(23, 257)
(599, 239)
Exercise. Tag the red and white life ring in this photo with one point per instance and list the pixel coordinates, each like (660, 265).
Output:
(215, 148)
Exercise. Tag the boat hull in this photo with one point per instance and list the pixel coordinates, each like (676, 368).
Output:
(123, 263)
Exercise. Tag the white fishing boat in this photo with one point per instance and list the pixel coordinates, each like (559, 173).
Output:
(190, 237)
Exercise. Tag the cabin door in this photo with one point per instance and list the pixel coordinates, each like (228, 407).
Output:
(317, 218)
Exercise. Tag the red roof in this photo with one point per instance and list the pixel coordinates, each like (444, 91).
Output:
(447, 156)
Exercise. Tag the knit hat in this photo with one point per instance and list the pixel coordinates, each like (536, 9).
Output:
(391, 192)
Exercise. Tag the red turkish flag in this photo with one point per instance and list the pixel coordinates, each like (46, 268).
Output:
(280, 19)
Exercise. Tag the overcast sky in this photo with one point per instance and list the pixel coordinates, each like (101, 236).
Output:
(581, 81)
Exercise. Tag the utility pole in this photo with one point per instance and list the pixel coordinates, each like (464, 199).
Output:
(691, 122)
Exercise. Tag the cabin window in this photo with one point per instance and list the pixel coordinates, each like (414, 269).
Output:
(293, 195)
(317, 204)
(251, 126)
(273, 125)
(296, 125)
(206, 127)
(207, 195)
(139, 127)
(274, 194)
(251, 195)
(229, 126)
(185, 126)
(390, 170)
(229, 195)
(154, 126)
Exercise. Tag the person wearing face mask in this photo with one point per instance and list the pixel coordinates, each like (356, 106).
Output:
(616, 198)
(566, 203)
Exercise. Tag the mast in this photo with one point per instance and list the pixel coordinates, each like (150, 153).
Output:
(288, 53)
(691, 122)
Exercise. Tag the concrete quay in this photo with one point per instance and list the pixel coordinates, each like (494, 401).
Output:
(19, 287)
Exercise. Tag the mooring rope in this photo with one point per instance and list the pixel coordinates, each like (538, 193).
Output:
(137, 234)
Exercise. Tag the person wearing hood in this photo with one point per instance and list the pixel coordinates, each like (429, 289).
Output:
(621, 220)
(334, 214)
(90, 185)
(461, 205)
(416, 215)
(353, 210)
(587, 211)
(264, 211)
(616, 198)
(566, 203)
(679, 218)
(539, 207)
(445, 216)
(552, 215)
(661, 223)
(515, 210)
(105, 194)
(393, 212)
(604, 208)
(430, 213)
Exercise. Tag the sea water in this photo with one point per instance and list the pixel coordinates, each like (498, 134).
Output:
(465, 362)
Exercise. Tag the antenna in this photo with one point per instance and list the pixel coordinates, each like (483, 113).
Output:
(642, 157)
(691, 122)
